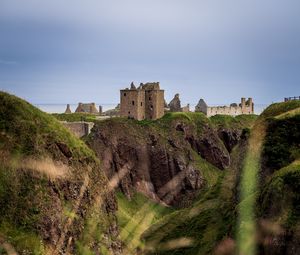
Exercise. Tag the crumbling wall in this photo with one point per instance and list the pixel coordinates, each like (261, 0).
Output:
(79, 129)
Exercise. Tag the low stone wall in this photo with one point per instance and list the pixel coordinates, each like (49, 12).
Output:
(80, 128)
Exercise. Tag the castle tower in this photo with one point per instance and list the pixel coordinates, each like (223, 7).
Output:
(155, 101)
(132, 103)
(250, 105)
(144, 102)
(243, 103)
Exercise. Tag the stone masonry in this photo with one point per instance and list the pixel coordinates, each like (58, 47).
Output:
(79, 128)
(144, 102)
(245, 107)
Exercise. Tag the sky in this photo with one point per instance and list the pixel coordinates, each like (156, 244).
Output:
(69, 51)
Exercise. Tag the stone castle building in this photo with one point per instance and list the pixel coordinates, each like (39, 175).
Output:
(175, 105)
(245, 107)
(145, 102)
(87, 108)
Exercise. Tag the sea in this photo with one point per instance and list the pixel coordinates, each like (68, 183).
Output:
(60, 108)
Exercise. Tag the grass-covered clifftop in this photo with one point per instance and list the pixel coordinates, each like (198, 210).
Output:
(73, 117)
(53, 193)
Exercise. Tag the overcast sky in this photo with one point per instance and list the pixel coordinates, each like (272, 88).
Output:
(66, 51)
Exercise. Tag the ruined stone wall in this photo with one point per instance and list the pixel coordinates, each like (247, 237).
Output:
(79, 129)
(133, 104)
(245, 107)
(155, 104)
(224, 110)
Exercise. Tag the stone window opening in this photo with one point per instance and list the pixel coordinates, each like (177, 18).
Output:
(132, 102)
(150, 98)
(151, 107)
(124, 94)
(141, 103)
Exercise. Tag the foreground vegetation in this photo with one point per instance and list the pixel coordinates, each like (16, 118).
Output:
(51, 185)
(269, 189)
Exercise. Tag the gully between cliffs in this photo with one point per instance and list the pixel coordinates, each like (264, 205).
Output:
(159, 162)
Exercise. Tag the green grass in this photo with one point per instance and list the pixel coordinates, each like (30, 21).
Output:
(166, 124)
(22, 240)
(209, 172)
(204, 224)
(210, 219)
(272, 144)
(28, 197)
(74, 117)
(238, 122)
(26, 130)
(248, 188)
(282, 192)
(280, 108)
(281, 145)
(135, 216)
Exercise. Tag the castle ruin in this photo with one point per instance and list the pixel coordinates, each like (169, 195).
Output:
(87, 108)
(145, 102)
(245, 107)
(175, 105)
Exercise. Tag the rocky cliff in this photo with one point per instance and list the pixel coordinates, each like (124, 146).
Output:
(54, 196)
(161, 158)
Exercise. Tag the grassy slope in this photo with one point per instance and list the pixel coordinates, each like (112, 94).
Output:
(213, 217)
(73, 117)
(26, 130)
(274, 154)
(25, 198)
(238, 122)
(135, 216)
(279, 197)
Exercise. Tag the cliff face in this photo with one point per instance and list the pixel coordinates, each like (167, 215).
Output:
(54, 196)
(254, 206)
(160, 158)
